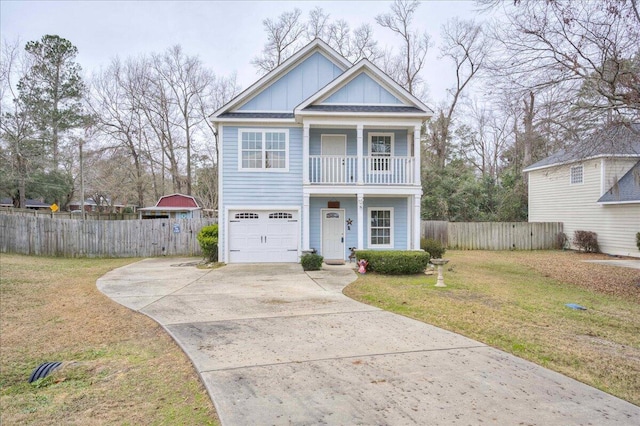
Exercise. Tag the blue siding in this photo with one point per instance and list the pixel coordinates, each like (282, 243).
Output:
(400, 219)
(350, 212)
(295, 86)
(363, 90)
(261, 188)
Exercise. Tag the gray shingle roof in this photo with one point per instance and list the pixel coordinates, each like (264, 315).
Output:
(257, 115)
(364, 108)
(626, 189)
(616, 141)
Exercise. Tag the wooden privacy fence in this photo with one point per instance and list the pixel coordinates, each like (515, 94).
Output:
(494, 235)
(100, 238)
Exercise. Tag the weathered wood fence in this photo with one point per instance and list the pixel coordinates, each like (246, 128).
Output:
(68, 215)
(100, 238)
(494, 235)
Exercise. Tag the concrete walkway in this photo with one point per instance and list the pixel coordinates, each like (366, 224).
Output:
(275, 345)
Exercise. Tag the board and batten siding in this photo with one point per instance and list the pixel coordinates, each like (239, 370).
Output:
(295, 86)
(363, 90)
(553, 199)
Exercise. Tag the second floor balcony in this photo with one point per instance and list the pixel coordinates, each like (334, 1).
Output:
(370, 170)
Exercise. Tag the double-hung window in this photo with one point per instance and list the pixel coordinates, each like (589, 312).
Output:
(264, 149)
(381, 227)
(380, 149)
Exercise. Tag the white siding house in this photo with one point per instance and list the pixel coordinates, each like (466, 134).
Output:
(598, 192)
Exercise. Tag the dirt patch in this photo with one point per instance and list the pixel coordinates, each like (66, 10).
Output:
(570, 267)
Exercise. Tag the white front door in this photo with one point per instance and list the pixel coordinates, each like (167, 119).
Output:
(334, 151)
(333, 234)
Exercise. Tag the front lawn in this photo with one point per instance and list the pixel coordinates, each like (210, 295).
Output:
(515, 301)
(127, 371)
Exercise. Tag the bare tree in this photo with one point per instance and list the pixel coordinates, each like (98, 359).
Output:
(284, 37)
(405, 67)
(116, 105)
(464, 44)
(588, 49)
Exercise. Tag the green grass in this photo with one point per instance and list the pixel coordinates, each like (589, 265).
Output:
(499, 299)
(126, 369)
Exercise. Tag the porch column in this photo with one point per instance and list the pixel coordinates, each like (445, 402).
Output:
(361, 222)
(305, 156)
(417, 223)
(416, 155)
(360, 152)
(305, 222)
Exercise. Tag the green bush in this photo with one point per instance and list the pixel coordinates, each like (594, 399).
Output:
(208, 239)
(638, 240)
(395, 262)
(433, 247)
(586, 241)
(311, 261)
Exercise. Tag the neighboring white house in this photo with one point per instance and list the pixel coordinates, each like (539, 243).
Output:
(597, 189)
(319, 154)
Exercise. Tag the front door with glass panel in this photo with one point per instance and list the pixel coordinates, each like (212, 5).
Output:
(333, 234)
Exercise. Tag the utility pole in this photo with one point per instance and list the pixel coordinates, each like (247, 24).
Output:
(82, 179)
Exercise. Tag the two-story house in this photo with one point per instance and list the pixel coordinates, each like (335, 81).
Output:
(319, 154)
(592, 188)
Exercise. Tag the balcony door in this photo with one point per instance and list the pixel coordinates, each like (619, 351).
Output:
(334, 152)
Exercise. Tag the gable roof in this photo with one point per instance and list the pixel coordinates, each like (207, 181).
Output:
(177, 200)
(415, 106)
(626, 190)
(271, 77)
(621, 141)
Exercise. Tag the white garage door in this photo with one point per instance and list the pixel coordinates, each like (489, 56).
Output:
(263, 236)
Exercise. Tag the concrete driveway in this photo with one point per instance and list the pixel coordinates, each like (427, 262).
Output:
(275, 345)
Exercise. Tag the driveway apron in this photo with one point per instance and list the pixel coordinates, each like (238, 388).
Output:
(277, 346)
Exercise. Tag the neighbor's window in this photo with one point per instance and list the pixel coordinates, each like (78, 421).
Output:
(264, 149)
(381, 227)
(380, 148)
(576, 175)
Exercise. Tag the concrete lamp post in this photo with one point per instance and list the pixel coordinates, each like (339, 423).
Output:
(439, 263)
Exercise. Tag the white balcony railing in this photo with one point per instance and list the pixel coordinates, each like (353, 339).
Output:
(341, 170)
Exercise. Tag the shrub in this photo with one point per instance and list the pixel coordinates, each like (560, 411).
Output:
(638, 240)
(208, 239)
(433, 247)
(311, 261)
(586, 241)
(561, 241)
(395, 262)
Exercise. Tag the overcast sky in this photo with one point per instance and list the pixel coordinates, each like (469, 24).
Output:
(226, 35)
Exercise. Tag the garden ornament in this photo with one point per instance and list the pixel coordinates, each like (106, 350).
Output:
(362, 266)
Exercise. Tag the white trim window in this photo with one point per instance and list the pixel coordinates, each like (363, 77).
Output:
(380, 227)
(577, 175)
(263, 149)
(380, 151)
